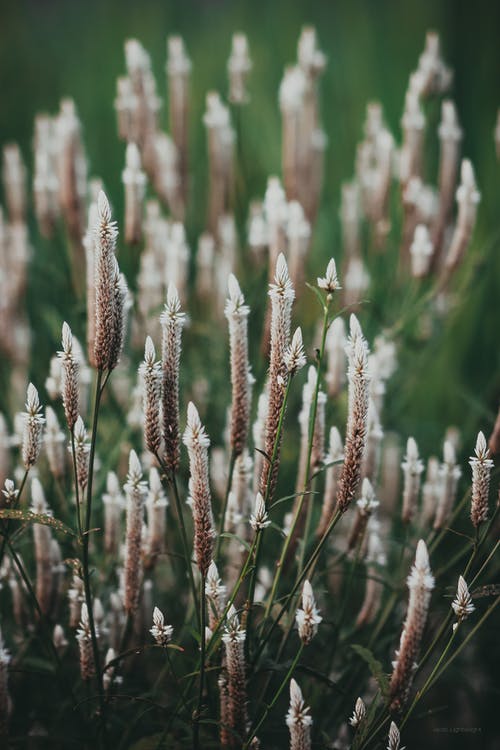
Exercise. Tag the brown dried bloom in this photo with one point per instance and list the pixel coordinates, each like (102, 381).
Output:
(82, 449)
(412, 468)
(135, 490)
(110, 291)
(237, 715)
(172, 321)
(150, 372)
(197, 441)
(481, 468)
(420, 583)
(357, 352)
(236, 312)
(282, 295)
(84, 638)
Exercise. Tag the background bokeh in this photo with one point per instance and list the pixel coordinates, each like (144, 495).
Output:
(55, 48)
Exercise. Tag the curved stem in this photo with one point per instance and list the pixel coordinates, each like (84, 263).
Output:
(277, 694)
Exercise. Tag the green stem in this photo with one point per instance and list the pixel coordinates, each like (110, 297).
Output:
(314, 556)
(187, 555)
(86, 539)
(277, 694)
(196, 730)
(421, 693)
(267, 501)
(312, 421)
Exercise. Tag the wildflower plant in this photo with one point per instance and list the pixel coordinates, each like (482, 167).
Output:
(164, 582)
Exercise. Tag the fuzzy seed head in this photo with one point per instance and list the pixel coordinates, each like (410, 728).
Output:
(330, 282)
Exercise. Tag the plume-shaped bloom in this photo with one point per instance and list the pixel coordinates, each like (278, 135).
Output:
(42, 537)
(237, 312)
(449, 474)
(237, 714)
(172, 321)
(197, 442)
(335, 456)
(156, 507)
(335, 353)
(329, 282)
(358, 714)
(420, 583)
(412, 469)
(135, 490)
(239, 66)
(178, 72)
(70, 385)
(161, 633)
(298, 720)
(134, 181)
(307, 618)
(394, 738)
(110, 290)
(150, 372)
(84, 638)
(462, 604)
(481, 466)
(282, 295)
(82, 451)
(259, 518)
(357, 353)
(215, 592)
(468, 198)
(33, 428)
(114, 503)
(295, 357)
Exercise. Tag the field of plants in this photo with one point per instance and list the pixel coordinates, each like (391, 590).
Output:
(249, 375)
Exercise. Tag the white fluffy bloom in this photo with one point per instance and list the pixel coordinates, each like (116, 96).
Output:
(161, 633)
(259, 518)
(307, 618)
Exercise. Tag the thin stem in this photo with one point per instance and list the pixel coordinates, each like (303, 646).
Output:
(421, 693)
(86, 539)
(315, 554)
(196, 730)
(277, 694)
(187, 555)
(267, 502)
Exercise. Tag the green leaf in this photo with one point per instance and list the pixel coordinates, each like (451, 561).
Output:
(28, 517)
(375, 668)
